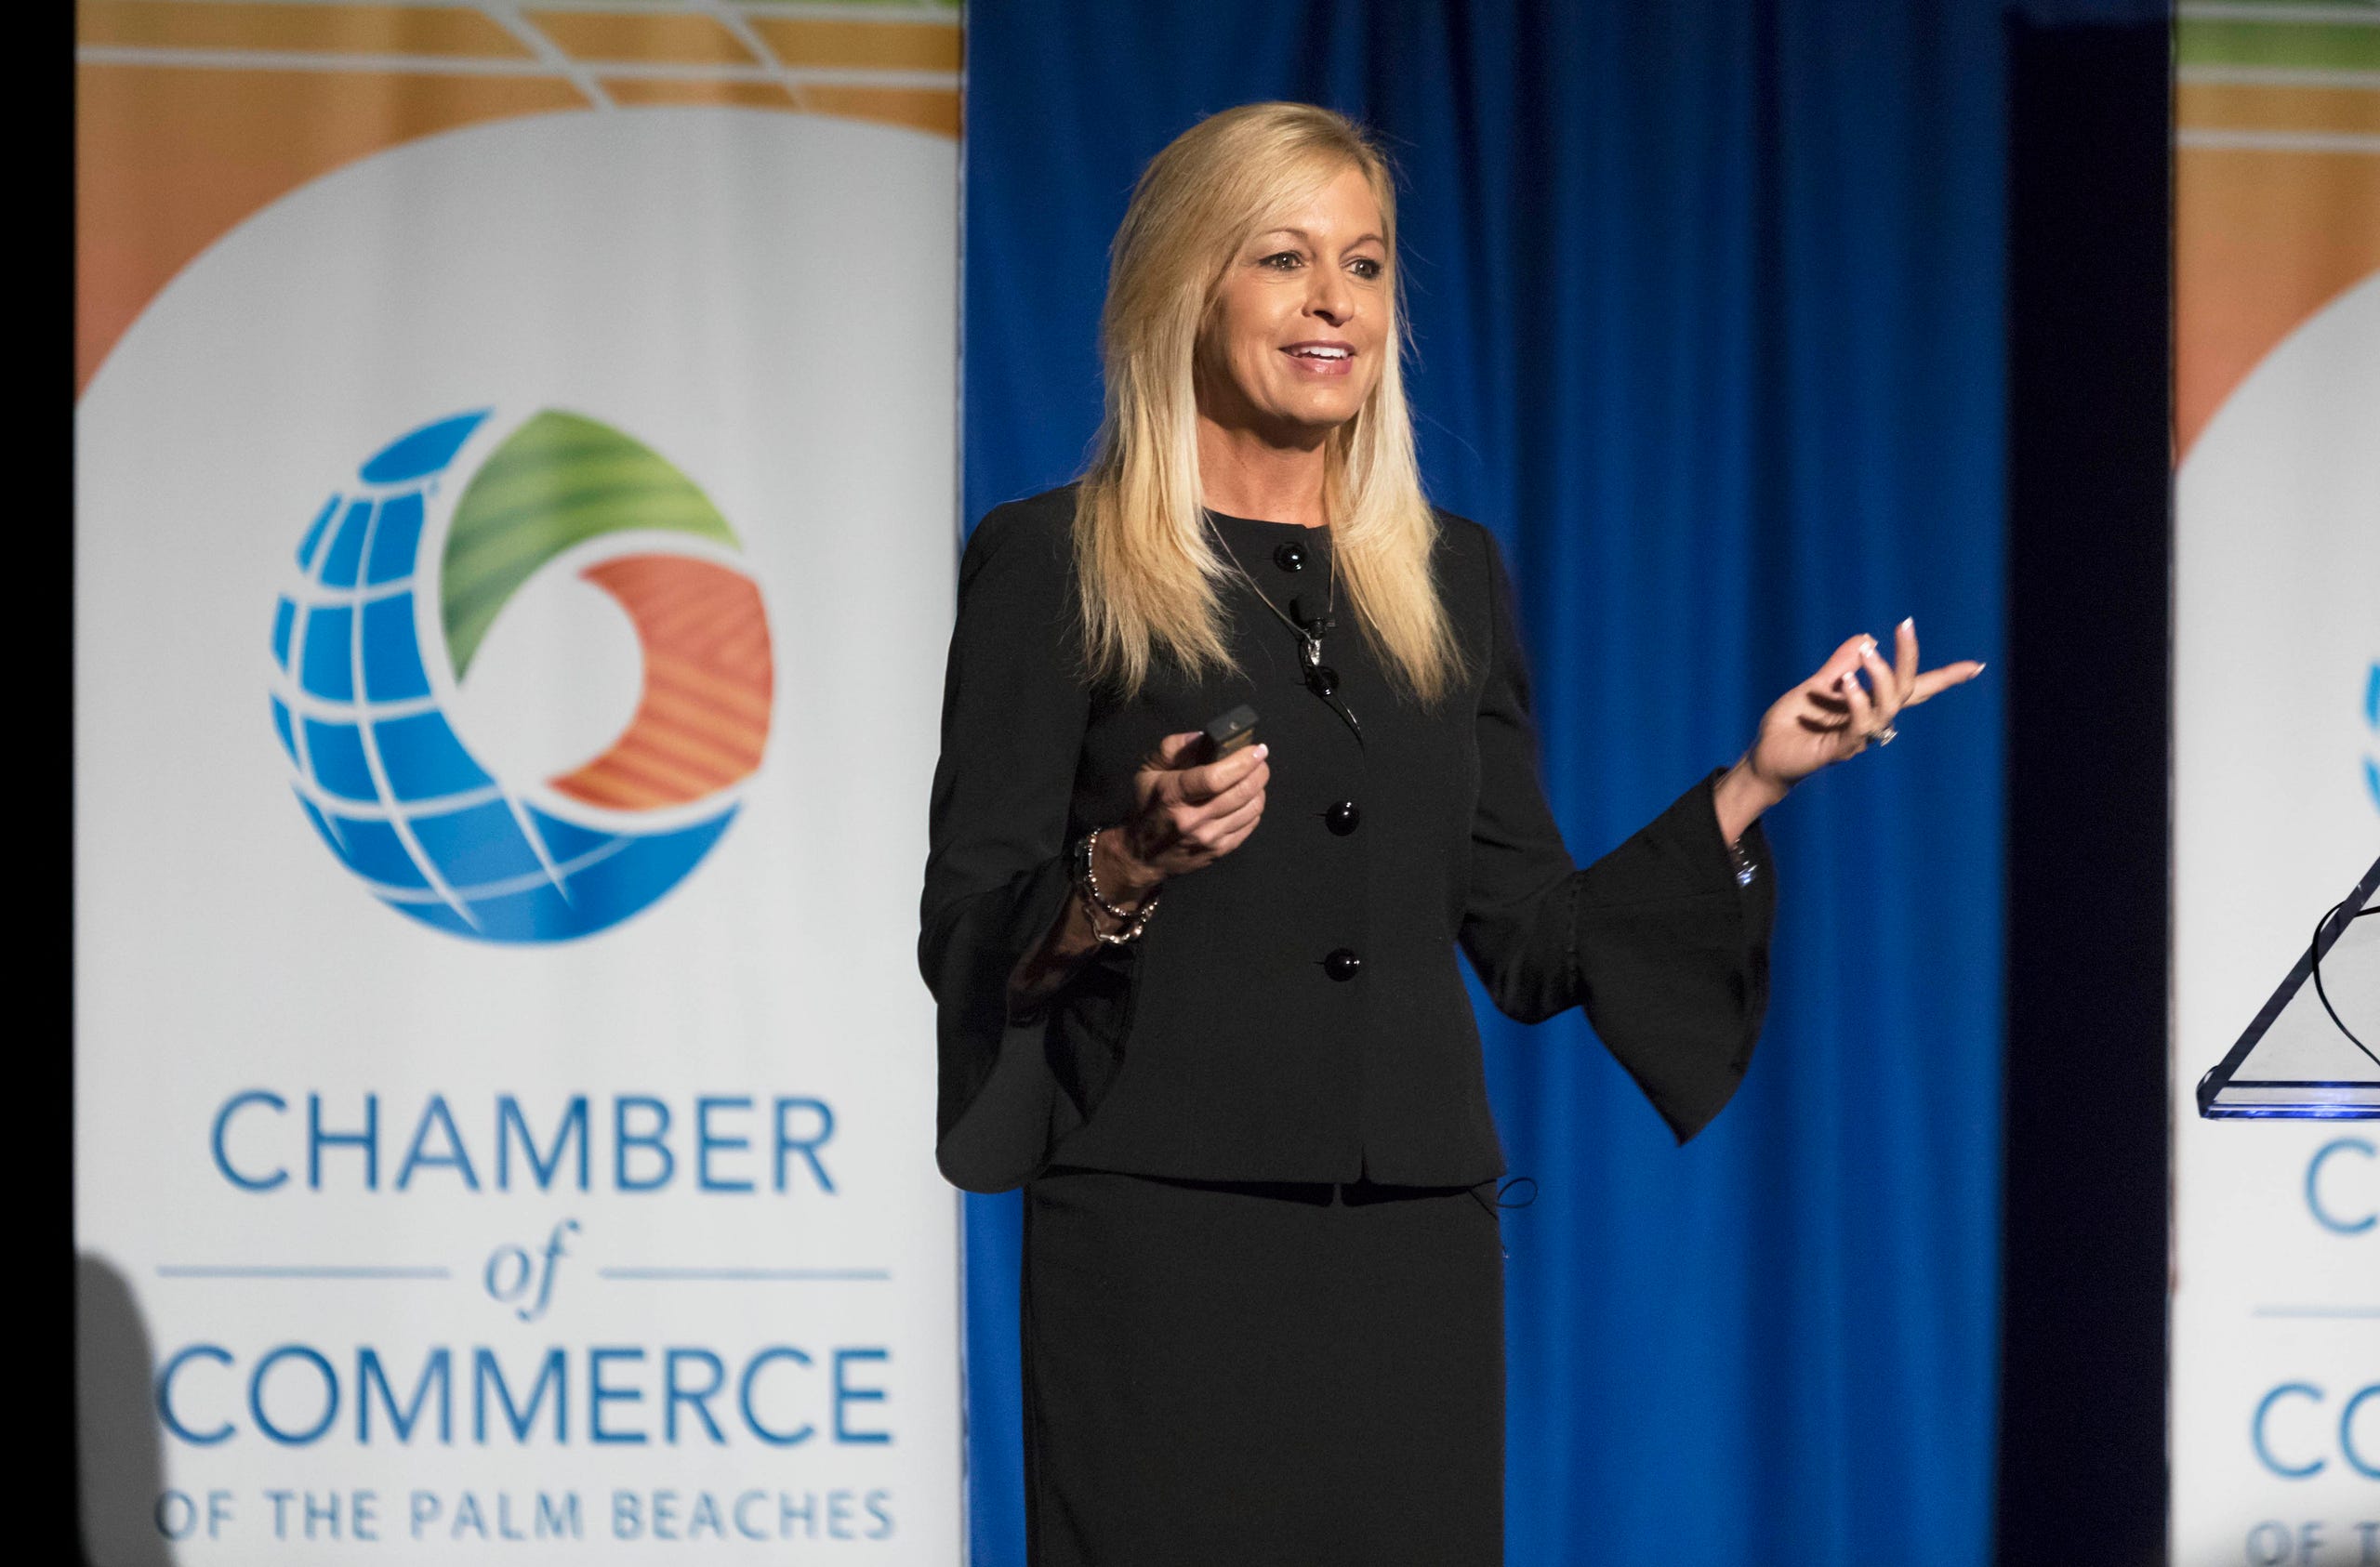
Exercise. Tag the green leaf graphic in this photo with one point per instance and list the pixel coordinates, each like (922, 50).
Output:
(560, 479)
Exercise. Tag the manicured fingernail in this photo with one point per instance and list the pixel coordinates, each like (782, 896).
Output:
(1868, 646)
(1262, 749)
(1981, 666)
(1909, 623)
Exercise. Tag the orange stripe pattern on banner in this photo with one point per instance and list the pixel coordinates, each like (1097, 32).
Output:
(704, 717)
(2263, 240)
(919, 108)
(660, 36)
(2227, 105)
(875, 45)
(641, 92)
(193, 114)
(263, 24)
(168, 160)
(2275, 184)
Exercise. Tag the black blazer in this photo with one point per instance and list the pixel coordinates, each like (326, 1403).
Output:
(1236, 1040)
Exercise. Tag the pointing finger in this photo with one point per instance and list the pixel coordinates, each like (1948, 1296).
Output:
(1935, 681)
(1905, 657)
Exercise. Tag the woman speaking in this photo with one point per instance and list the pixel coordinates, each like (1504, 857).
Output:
(1202, 1001)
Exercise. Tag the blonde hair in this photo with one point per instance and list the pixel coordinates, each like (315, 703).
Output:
(1149, 574)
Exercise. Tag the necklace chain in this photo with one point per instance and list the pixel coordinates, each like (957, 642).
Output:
(1311, 641)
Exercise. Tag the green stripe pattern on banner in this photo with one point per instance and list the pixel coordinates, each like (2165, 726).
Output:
(559, 481)
(2299, 36)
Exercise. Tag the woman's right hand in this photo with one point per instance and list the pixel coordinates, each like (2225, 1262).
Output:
(1187, 816)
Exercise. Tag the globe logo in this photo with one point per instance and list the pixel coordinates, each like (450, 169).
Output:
(2371, 723)
(379, 769)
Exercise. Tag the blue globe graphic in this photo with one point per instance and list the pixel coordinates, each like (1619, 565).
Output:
(2371, 723)
(378, 767)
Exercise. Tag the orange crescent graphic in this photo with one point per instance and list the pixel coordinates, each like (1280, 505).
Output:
(704, 717)
(2263, 240)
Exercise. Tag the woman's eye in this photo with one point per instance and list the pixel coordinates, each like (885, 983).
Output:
(1367, 267)
(1281, 260)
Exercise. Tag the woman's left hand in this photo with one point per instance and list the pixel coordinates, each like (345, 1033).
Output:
(1832, 716)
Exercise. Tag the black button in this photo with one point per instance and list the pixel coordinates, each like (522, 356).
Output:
(1289, 557)
(1342, 964)
(1323, 679)
(1343, 817)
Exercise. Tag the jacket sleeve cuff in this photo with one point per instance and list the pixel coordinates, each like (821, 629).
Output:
(1674, 957)
(993, 1124)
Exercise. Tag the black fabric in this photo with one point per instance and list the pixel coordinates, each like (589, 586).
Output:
(1260, 1375)
(1219, 1045)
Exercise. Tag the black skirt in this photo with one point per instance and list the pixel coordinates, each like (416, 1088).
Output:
(1242, 1374)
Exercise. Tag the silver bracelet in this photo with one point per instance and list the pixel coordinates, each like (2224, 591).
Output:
(1095, 904)
(1117, 938)
(1741, 863)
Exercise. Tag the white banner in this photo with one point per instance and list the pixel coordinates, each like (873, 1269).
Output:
(2276, 1310)
(513, 581)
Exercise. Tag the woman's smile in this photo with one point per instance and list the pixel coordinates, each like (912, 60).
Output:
(1329, 358)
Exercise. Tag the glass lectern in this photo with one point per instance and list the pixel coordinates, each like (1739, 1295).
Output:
(2313, 1051)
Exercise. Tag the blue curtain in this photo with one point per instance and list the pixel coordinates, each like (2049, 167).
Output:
(1707, 302)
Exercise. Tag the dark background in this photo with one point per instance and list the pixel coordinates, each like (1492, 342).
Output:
(2083, 1268)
